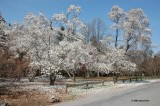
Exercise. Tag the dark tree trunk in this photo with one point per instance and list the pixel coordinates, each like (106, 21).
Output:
(116, 42)
(38, 72)
(115, 77)
(74, 77)
(127, 45)
(52, 78)
(84, 74)
(98, 74)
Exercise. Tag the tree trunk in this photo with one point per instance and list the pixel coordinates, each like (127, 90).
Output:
(52, 78)
(74, 77)
(116, 42)
(69, 74)
(97, 73)
(88, 73)
(127, 45)
(114, 77)
(39, 71)
(127, 42)
(84, 74)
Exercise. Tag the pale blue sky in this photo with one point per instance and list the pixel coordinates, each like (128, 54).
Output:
(15, 10)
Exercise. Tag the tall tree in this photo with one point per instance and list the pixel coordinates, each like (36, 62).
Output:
(73, 30)
(4, 33)
(116, 15)
(135, 29)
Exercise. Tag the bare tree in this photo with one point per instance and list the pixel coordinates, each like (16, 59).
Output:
(96, 31)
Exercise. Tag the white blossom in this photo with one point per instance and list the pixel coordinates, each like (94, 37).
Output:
(71, 8)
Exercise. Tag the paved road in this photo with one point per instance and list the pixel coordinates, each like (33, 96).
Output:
(146, 95)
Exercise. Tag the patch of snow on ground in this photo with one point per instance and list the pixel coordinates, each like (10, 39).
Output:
(109, 87)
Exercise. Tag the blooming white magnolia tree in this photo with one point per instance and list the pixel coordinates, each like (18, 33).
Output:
(35, 39)
(116, 15)
(71, 49)
(59, 44)
(115, 59)
(73, 55)
(32, 37)
(4, 33)
(135, 28)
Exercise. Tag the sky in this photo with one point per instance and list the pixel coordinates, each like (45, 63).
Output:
(15, 10)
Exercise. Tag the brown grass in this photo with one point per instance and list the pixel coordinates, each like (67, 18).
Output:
(19, 97)
(25, 99)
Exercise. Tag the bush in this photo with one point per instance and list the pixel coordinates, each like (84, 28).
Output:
(11, 67)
